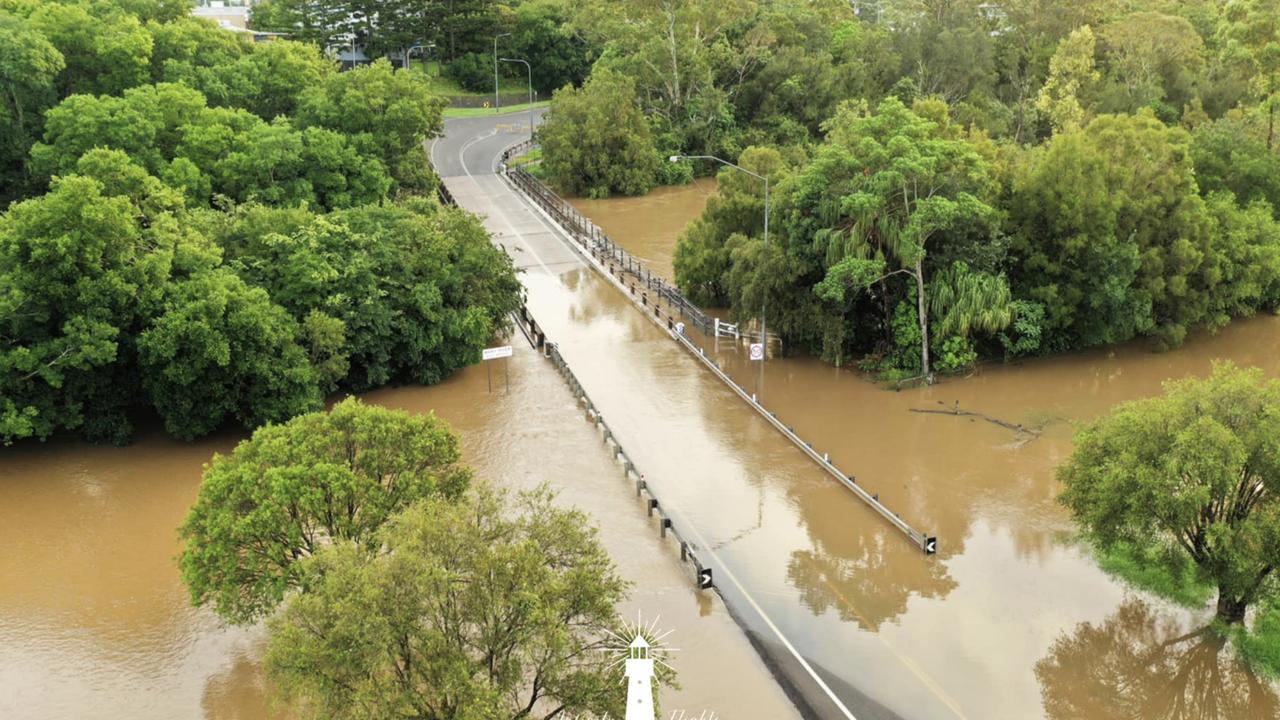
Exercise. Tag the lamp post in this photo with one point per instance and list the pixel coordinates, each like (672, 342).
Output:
(530, 69)
(496, 102)
(764, 328)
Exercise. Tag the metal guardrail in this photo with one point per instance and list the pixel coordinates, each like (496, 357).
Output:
(600, 245)
(532, 331)
(666, 523)
(617, 263)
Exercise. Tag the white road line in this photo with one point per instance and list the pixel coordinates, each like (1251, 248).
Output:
(496, 206)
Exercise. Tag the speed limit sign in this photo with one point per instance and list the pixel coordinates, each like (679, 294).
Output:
(757, 351)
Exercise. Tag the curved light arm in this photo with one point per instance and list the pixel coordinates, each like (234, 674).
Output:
(677, 158)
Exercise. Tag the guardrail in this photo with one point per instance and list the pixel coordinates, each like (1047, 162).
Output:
(616, 263)
(532, 331)
(601, 245)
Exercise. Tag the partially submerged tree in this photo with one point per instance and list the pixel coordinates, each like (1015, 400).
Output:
(877, 196)
(596, 141)
(470, 612)
(1195, 473)
(294, 488)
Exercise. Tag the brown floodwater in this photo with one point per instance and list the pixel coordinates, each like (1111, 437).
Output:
(1012, 619)
(95, 623)
(651, 222)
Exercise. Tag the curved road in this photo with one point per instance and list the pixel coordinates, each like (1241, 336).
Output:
(749, 497)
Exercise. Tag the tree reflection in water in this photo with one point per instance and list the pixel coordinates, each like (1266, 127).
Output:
(869, 580)
(1139, 665)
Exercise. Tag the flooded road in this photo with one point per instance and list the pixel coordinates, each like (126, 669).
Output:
(1012, 619)
(95, 623)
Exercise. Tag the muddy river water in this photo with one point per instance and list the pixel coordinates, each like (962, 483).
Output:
(1011, 620)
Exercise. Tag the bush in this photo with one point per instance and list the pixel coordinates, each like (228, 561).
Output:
(669, 173)
(596, 141)
(472, 72)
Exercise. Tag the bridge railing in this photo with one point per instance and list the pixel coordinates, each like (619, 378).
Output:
(618, 263)
(600, 245)
(537, 338)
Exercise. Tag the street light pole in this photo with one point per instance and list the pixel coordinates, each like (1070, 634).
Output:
(496, 102)
(764, 301)
(530, 69)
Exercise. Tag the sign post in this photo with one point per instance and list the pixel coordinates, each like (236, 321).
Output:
(503, 351)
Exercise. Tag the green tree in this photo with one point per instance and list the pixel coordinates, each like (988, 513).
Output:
(1229, 156)
(419, 288)
(319, 22)
(106, 50)
(221, 350)
(1112, 234)
(471, 611)
(191, 50)
(271, 80)
(946, 47)
(320, 478)
(472, 71)
(1155, 60)
(674, 51)
(596, 141)
(884, 187)
(703, 252)
(388, 112)
(1250, 36)
(1071, 74)
(543, 34)
(80, 268)
(146, 123)
(1194, 474)
(29, 70)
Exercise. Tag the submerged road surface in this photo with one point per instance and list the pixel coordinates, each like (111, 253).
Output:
(719, 467)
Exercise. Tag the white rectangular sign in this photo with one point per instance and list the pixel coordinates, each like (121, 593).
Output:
(498, 352)
(757, 351)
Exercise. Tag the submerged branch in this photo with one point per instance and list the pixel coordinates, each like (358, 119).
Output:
(1026, 434)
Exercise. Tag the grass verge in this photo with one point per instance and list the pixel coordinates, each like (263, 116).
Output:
(486, 112)
(1172, 578)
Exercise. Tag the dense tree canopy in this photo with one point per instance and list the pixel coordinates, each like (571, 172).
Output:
(1193, 474)
(160, 166)
(470, 611)
(293, 488)
(1117, 241)
(596, 140)
(387, 113)
(419, 290)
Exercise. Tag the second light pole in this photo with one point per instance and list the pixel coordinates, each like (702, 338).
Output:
(496, 102)
(530, 69)
(764, 302)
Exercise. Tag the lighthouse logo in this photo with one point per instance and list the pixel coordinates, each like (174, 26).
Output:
(642, 651)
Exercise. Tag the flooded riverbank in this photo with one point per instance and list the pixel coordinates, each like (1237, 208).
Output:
(95, 623)
(1012, 619)
(651, 222)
